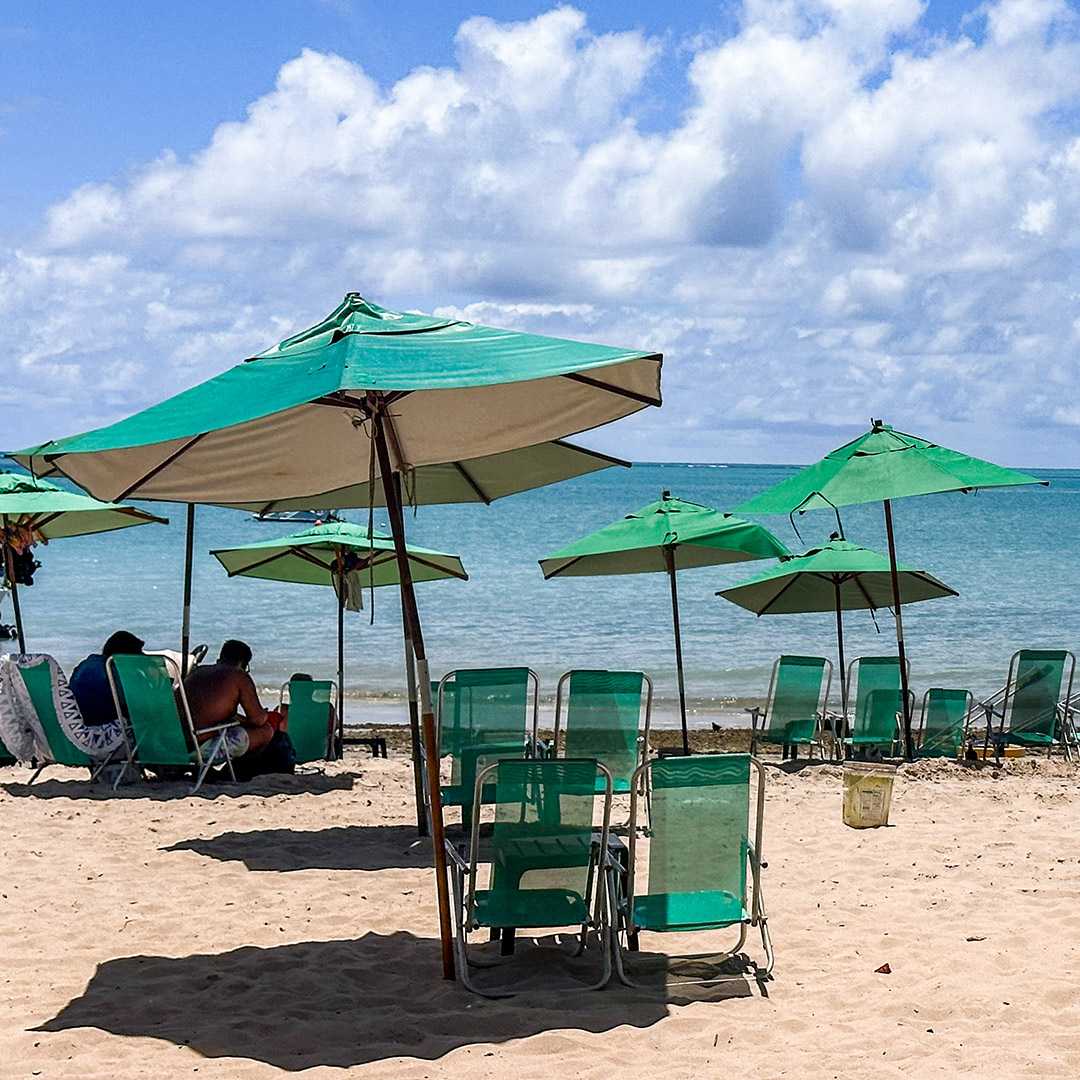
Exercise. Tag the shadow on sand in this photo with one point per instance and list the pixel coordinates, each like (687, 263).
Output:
(163, 790)
(335, 1003)
(350, 847)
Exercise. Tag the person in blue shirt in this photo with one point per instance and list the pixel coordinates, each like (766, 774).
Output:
(90, 684)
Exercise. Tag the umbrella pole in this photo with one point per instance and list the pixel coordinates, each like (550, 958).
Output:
(185, 629)
(412, 621)
(9, 571)
(669, 557)
(909, 748)
(339, 734)
(842, 722)
(414, 727)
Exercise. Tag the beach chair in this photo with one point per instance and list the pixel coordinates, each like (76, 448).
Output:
(38, 678)
(604, 713)
(310, 702)
(546, 861)
(941, 723)
(1031, 713)
(161, 734)
(484, 715)
(704, 864)
(795, 706)
(878, 709)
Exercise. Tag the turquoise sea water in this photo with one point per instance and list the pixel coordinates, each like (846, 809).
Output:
(1013, 555)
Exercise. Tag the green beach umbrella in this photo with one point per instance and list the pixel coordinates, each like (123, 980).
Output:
(41, 511)
(367, 394)
(664, 537)
(320, 556)
(838, 576)
(880, 466)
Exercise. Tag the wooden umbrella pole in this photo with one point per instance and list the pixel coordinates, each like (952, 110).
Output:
(909, 746)
(185, 628)
(842, 722)
(669, 556)
(414, 728)
(9, 570)
(427, 717)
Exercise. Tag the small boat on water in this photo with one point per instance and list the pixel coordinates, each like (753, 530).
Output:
(310, 517)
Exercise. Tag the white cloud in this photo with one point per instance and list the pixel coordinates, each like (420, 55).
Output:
(850, 216)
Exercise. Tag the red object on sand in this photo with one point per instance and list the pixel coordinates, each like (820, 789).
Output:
(883, 970)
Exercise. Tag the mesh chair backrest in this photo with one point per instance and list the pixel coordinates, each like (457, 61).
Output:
(602, 716)
(450, 731)
(700, 822)
(1035, 691)
(943, 722)
(152, 709)
(488, 707)
(796, 697)
(543, 828)
(309, 717)
(39, 685)
(874, 674)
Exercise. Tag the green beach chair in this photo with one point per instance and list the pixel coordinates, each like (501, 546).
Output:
(878, 703)
(795, 706)
(484, 715)
(310, 705)
(941, 725)
(606, 718)
(704, 865)
(161, 733)
(1031, 713)
(546, 867)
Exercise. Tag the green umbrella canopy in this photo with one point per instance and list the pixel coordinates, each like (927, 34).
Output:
(305, 557)
(808, 582)
(695, 535)
(53, 512)
(292, 422)
(882, 464)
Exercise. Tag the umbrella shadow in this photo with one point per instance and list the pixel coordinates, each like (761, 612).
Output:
(334, 1003)
(350, 847)
(165, 791)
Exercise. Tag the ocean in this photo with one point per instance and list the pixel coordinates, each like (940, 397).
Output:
(1012, 554)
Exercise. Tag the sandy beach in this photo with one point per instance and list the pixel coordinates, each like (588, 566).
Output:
(289, 924)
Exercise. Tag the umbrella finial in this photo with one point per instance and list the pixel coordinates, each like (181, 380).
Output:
(665, 495)
(877, 425)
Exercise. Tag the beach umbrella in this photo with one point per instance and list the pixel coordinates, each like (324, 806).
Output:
(663, 537)
(880, 466)
(367, 394)
(838, 576)
(35, 511)
(325, 555)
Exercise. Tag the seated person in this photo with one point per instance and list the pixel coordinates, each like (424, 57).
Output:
(283, 709)
(90, 684)
(223, 692)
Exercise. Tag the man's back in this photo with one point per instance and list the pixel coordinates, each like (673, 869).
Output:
(215, 693)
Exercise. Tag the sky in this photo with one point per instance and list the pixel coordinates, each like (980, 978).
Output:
(820, 211)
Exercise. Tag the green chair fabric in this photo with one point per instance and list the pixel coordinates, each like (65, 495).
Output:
(161, 732)
(544, 853)
(941, 731)
(39, 685)
(603, 716)
(878, 700)
(1029, 714)
(702, 857)
(6, 757)
(310, 702)
(798, 691)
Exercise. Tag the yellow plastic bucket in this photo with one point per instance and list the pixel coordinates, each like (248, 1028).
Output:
(867, 794)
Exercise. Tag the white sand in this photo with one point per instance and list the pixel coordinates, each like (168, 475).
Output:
(290, 925)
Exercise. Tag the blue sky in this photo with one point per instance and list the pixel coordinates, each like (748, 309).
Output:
(819, 210)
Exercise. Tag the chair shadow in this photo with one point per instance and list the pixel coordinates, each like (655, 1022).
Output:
(166, 790)
(334, 1003)
(350, 847)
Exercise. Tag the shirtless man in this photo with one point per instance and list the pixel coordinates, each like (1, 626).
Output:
(218, 692)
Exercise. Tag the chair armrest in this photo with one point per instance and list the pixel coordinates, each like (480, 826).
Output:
(456, 856)
(218, 727)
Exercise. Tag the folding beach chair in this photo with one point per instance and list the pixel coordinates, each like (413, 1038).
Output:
(484, 715)
(604, 713)
(161, 732)
(699, 851)
(878, 703)
(310, 702)
(546, 859)
(941, 725)
(1031, 713)
(795, 707)
(38, 679)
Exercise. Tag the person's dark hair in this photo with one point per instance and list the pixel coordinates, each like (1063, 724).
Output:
(235, 652)
(122, 643)
(301, 676)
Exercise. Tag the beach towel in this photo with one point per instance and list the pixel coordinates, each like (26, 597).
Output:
(20, 728)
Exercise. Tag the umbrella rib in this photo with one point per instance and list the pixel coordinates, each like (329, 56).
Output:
(566, 566)
(435, 566)
(477, 490)
(790, 584)
(592, 453)
(162, 465)
(645, 399)
(255, 565)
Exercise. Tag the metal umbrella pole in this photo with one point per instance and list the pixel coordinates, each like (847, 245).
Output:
(669, 558)
(909, 745)
(185, 629)
(339, 735)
